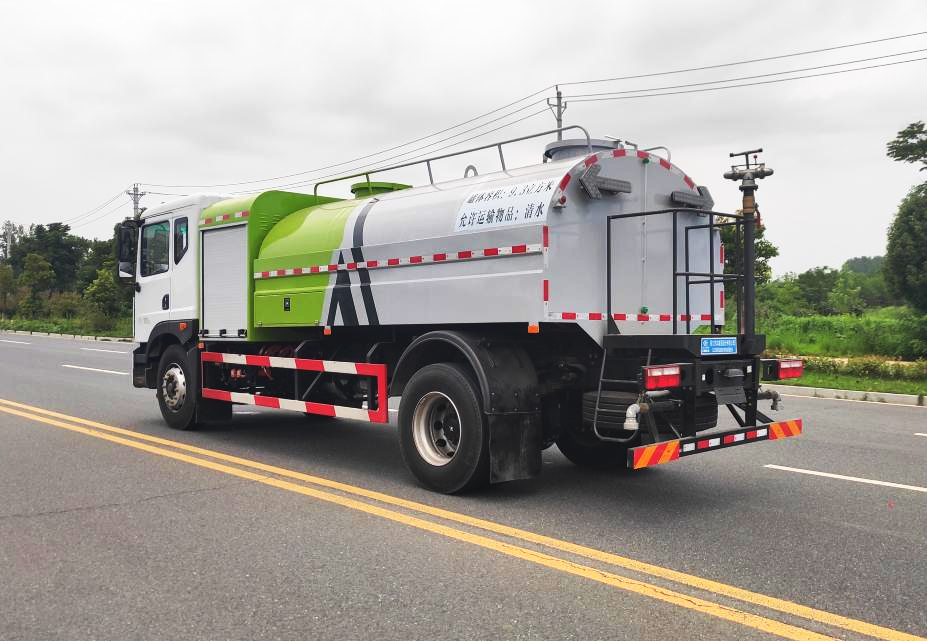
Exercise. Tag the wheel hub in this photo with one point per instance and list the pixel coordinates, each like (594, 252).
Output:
(174, 387)
(436, 428)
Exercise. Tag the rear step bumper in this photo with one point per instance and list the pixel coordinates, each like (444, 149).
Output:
(659, 453)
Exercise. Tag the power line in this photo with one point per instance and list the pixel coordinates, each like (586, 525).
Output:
(94, 210)
(762, 75)
(745, 62)
(103, 215)
(531, 95)
(749, 84)
(378, 153)
(382, 167)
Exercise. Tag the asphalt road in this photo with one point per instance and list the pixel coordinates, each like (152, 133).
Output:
(106, 535)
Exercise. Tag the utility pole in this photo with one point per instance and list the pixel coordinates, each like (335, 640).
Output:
(560, 107)
(136, 196)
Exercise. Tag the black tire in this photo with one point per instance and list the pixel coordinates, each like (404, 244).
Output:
(441, 396)
(580, 444)
(178, 413)
(586, 450)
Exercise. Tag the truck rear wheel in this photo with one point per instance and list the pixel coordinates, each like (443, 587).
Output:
(443, 435)
(176, 389)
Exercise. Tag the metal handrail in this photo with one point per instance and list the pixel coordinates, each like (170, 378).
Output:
(712, 277)
(427, 161)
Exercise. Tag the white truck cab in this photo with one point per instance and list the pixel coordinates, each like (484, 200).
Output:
(166, 281)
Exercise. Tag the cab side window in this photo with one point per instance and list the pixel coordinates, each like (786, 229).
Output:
(181, 239)
(155, 249)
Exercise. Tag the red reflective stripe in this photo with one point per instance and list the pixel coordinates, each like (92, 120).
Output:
(491, 251)
(568, 315)
(415, 259)
(705, 317)
(281, 272)
(370, 369)
(643, 317)
(618, 153)
(265, 274)
(519, 249)
(721, 254)
(267, 401)
(664, 163)
(689, 182)
(665, 317)
(751, 434)
(211, 357)
(208, 221)
(564, 182)
(245, 214)
(314, 269)
(620, 316)
(216, 394)
(701, 445)
(333, 268)
(684, 317)
(297, 271)
(464, 254)
(546, 236)
(310, 364)
(642, 154)
(372, 263)
(392, 261)
(352, 265)
(728, 439)
(546, 290)
(722, 299)
(320, 408)
(595, 316)
(590, 161)
(260, 361)
(439, 257)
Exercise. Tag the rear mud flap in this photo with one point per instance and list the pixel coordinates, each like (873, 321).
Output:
(514, 446)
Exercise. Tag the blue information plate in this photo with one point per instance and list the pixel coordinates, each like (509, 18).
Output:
(719, 345)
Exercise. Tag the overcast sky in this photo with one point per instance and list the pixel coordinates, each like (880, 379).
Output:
(98, 95)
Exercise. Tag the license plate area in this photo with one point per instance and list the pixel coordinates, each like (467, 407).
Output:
(727, 379)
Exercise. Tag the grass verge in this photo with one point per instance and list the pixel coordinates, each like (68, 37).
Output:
(856, 383)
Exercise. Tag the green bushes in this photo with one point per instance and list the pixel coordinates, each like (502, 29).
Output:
(84, 326)
(892, 332)
(868, 367)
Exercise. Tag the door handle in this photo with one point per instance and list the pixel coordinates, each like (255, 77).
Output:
(138, 286)
(166, 301)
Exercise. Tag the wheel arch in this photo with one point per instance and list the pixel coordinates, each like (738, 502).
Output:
(147, 355)
(508, 384)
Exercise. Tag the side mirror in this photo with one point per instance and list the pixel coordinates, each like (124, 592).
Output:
(126, 243)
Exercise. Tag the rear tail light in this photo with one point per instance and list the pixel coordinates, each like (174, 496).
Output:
(791, 368)
(662, 376)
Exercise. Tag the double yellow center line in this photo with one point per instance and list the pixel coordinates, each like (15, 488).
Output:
(310, 485)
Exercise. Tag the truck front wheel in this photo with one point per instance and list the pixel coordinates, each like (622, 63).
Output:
(443, 435)
(176, 390)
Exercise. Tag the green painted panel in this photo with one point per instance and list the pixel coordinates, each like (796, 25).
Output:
(306, 237)
(266, 210)
(288, 309)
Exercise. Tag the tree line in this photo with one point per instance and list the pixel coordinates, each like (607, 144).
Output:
(46, 272)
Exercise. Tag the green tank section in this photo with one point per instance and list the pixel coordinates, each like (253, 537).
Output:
(367, 189)
(265, 212)
(306, 237)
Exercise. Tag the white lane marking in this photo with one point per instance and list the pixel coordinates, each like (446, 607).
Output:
(108, 351)
(841, 477)
(94, 369)
(919, 434)
(4, 340)
(854, 400)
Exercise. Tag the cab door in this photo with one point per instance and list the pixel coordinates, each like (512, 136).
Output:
(153, 285)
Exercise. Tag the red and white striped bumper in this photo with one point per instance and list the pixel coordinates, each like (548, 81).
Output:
(659, 453)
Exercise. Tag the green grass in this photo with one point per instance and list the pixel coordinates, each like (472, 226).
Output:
(118, 328)
(857, 383)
